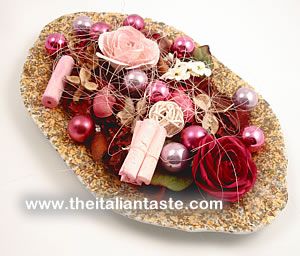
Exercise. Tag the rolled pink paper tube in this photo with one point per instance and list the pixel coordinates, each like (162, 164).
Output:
(149, 164)
(138, 149)
(56, 84)
(135, 132)
(124, 178)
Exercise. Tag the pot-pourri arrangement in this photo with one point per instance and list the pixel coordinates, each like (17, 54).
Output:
(146, 106)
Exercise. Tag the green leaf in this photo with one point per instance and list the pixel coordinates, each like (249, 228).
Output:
(203, 54)
(172, 182)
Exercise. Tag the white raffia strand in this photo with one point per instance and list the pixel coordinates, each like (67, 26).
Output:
(169, 115)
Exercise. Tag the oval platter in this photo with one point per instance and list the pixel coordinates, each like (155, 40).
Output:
(257, 209)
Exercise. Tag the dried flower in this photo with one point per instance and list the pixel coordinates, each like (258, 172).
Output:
(209, 121)
(131, 113)
(217, 114)
(184, 70)
(178, 72)
(82, 82)
(198, 68)
(128, 48)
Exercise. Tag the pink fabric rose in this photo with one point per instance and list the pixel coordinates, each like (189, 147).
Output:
(128, 48)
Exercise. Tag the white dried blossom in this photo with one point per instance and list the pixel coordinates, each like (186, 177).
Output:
(184, 70)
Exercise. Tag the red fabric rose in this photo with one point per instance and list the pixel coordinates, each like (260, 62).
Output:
(224, 168)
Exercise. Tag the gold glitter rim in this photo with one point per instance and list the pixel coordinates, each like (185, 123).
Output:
(257, 209)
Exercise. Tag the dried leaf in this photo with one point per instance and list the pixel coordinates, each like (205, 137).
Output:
(210, 123)
(126, 116)
(129, 105)
(203, 54)
(141, 107)
(78, 93)
(91, 86)
(73, 79)
(172, 182)
(203, 101)
(85, 75)
(165, 45)
(91, 48)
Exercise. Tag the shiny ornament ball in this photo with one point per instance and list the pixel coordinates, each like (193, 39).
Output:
(98, 28)
(183, 46)
(192, 136)
(136, 81)
(135, 21)
(245, 98)
(81, 127)
(55, 42)
(253, 137)
(174, 157)
(158, 91)
(82, 25)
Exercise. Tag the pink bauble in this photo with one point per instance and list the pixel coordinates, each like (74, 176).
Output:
(135, 21)
(245, 98)
(82, 25)
(192, 136)
(183, 46)
(103, 103)
(81, 127)
(135, 82)
(185, 103)
(98, 28)
(55, 42)
(174, 157)
(158, 91)
(253, 137)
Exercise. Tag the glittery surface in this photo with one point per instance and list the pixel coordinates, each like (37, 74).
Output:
(258, 208)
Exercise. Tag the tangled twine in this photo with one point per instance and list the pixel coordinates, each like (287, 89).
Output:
(169, 115)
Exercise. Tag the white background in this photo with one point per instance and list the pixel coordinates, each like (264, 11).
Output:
(258, 39)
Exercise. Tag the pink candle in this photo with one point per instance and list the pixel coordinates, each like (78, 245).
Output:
(56, 84)
(142, 138)
(151, 159)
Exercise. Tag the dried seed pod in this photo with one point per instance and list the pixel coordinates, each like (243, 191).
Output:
(99, 146)
(91, 86)
(210, 123)
(162, 66)
(75, 80)
(203, 101)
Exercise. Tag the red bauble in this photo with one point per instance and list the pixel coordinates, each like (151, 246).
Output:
(135, 21)
(98, 28)
(183, 46)
(192, 136)
(81, 127)
(55, 42)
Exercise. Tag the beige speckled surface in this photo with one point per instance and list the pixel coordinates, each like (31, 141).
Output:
(258, 208)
